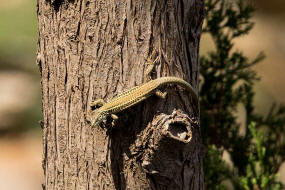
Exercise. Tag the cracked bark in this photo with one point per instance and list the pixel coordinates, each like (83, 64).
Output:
(90, 49)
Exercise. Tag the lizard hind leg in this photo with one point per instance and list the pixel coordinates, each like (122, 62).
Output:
(97, 104)
(115, 119)
(150, 65)
(161, 94)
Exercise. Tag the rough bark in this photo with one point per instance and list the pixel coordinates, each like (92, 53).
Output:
(90, 49)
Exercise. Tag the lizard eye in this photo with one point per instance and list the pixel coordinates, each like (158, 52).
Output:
(101, 117)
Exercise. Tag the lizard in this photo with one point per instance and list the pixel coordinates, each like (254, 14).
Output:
(136, 95)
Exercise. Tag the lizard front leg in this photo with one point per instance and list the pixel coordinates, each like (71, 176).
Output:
(115, 119)
(161, 94)
(97, 103)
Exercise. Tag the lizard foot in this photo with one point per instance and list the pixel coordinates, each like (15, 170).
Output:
(115, 119)
(161, 94)
(97, 104)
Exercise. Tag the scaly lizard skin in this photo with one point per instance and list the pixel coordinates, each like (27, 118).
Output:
(136, 95)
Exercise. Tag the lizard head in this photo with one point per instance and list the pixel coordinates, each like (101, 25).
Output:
(98, 118)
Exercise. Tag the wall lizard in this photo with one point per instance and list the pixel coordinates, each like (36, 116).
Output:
(134, 96)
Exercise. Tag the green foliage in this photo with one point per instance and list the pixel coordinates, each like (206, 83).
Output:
(214, 157)
(227, 81)
(258, 174)
(273, 127)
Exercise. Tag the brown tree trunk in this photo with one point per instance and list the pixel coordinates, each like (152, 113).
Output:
(90, 49)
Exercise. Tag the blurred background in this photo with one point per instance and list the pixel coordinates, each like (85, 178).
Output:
(20, 94)
(20, 97)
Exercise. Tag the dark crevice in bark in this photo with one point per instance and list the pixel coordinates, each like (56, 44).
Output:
(56, 4)
(117, 163)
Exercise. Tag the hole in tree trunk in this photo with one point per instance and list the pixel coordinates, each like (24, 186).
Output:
(179, 130)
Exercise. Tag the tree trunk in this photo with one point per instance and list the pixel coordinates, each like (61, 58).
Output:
(90, 49)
